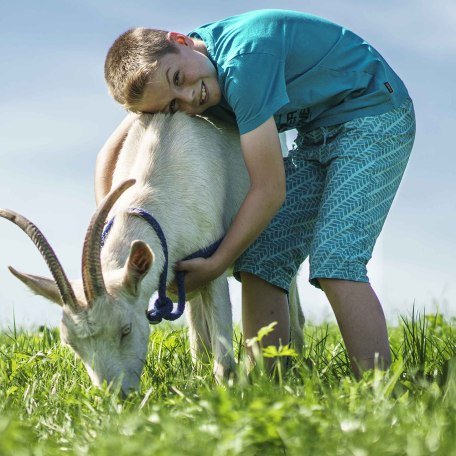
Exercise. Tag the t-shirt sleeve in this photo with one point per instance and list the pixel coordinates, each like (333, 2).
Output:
(255, 88)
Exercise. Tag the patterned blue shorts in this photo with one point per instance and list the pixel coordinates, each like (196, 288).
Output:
(341, 182)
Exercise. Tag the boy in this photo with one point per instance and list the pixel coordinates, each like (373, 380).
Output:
(277, 70)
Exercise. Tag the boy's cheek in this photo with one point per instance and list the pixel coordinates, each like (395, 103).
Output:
(217, 95)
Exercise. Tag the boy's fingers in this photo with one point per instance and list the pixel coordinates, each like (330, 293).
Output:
(187, 265)
(180, 266)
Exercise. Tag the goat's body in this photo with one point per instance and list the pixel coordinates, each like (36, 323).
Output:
(193, 189)
(191, 176)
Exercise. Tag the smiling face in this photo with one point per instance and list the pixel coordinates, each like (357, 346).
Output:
(186, 81)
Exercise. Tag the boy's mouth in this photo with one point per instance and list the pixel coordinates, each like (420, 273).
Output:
(204, 93)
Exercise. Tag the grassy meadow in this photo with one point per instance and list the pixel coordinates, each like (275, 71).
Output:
(48, 406)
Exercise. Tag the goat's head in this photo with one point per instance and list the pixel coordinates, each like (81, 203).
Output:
(103, 317)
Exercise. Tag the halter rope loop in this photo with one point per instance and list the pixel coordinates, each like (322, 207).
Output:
(163, 307)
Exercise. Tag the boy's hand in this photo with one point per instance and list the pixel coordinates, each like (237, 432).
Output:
(198, 272)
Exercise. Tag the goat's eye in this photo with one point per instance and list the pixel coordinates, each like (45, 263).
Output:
(126, 330)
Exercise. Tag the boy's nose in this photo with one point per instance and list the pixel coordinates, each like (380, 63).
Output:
(188, 94)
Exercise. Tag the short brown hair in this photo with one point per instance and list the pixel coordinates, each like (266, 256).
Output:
(130, 61)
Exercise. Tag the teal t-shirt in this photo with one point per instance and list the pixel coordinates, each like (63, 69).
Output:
(305, 71)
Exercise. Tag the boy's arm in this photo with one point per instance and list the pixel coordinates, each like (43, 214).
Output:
(107, 158)
(264, 162)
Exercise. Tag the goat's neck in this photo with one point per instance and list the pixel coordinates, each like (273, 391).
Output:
(116, 251)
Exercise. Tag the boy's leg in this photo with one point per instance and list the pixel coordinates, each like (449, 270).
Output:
(361, 321)
(263, 303)
(269, 266)
(365, 159)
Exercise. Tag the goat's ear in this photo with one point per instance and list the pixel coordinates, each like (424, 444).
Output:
(137, 266)
(39, 285)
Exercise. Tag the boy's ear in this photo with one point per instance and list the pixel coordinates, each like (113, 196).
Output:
(180, 39)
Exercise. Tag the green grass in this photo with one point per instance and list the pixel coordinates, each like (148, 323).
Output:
(48, 406)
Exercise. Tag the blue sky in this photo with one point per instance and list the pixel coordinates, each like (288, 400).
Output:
(55, 114)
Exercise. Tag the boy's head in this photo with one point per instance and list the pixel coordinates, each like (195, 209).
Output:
(156, 71)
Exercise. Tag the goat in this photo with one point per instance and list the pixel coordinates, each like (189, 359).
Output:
(190, 174)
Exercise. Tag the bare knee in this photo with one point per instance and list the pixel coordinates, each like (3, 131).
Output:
(253, 280)
(336, 287)
(348, 295)
(328, 284)
(341, 287)
(256, 291)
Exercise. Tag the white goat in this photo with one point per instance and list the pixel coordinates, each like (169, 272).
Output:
(191, 176)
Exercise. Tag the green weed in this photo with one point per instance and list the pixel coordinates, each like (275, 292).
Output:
(316, 407)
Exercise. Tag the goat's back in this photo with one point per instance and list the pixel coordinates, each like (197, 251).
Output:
(186, 167)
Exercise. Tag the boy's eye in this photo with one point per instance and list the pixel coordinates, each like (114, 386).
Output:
(172, 107)
(176, 78)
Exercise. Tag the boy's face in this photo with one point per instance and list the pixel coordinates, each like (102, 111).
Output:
(186, 81)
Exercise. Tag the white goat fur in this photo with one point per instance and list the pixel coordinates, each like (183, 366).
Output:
(191, 176)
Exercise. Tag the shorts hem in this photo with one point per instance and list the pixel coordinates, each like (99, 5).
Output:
(273, 280)
(313, 279)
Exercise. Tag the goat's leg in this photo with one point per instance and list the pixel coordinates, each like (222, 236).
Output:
(217, 305)
(198, 331)
(296, 317)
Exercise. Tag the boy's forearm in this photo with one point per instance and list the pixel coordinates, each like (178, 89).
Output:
(107, 158)
(254, 215)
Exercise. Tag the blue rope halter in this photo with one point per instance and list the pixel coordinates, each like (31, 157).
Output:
(163, 307)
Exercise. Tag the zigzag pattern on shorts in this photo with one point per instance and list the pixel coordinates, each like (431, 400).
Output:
(341, 181)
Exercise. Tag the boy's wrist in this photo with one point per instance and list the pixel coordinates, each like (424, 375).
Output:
(219, 264)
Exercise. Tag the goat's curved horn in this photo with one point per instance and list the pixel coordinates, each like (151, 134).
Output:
(92, 275)
(32, 231)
